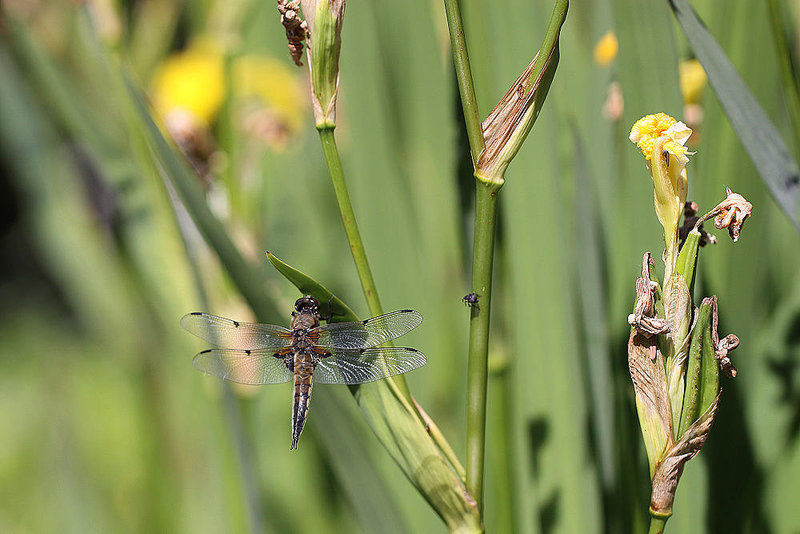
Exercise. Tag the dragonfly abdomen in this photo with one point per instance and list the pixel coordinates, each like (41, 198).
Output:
(303, 380)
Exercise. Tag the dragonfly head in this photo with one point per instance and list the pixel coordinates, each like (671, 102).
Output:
(307, 303)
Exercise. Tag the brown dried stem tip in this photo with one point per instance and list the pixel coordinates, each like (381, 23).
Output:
(730, 213)
(643, 318)
(669, 470)
(722, 346)
(296, 29)
(507, 126)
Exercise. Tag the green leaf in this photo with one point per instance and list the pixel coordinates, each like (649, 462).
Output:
(338, 310)
(678, 312)
(695, 369)
(687, 258)
(760, 138)
(709, 375)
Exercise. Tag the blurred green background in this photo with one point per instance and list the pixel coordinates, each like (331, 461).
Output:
(106, 427)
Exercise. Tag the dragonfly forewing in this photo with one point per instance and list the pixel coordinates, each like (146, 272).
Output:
(232, 334)
(253, 367)
(368, 333)
(367, 365)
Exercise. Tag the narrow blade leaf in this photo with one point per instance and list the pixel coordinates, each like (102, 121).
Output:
(339, 311)
(760, 138)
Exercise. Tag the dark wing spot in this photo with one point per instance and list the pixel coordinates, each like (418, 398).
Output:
(236, 323)
(205, 351)
(196, 313)
(247, 351)
(364, 321)
(406, 311)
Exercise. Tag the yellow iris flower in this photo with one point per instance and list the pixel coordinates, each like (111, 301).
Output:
(193, 81)
(662, 140)
(649, 128)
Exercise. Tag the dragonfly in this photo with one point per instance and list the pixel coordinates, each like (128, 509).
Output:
(333, 353)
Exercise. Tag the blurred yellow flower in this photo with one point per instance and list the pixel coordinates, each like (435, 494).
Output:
(189, 89)
(605, 51)
(273, 82)
(651, 127)
(191, 81)
(693, 80)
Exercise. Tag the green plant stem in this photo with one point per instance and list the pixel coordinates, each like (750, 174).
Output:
(657, 524)
(482, 260)
(368, 283)
(331, 152)
(349, 220)
(469, 102)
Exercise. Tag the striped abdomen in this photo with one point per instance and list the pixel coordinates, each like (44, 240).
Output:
(303, 376)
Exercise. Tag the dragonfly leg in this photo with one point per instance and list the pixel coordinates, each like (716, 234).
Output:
(327, 318)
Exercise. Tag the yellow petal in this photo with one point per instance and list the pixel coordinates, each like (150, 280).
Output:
(649, 128)
(274, 83)
(192, 81)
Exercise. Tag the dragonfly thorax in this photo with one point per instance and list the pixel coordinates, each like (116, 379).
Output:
(304, 321)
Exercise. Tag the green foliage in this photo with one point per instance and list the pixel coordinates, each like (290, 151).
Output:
(108, 426)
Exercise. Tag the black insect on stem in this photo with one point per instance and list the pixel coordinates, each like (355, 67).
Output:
(471, 300)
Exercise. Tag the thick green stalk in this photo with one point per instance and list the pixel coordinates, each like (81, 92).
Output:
(353, 235)
(466, 89)
(657, 524)
(349, 220)
(482, 260)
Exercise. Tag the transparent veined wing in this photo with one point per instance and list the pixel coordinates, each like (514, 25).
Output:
(254, 367)
(368, 333)
(367, 365)
(232, 334)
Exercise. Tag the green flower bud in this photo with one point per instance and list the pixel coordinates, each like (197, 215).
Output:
(325, 36)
